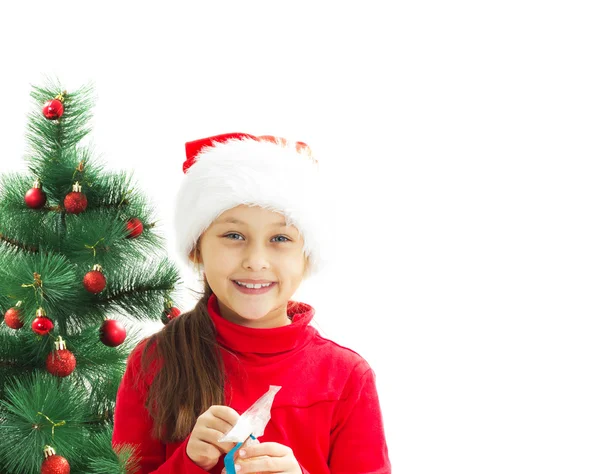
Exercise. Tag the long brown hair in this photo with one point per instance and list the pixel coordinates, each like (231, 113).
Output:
(191, 375)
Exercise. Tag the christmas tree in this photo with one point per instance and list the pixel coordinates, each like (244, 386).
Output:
(82, 266)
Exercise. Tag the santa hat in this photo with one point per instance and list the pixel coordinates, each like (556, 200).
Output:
(224, 171)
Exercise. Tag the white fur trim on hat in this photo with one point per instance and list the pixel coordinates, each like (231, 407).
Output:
(261, 173)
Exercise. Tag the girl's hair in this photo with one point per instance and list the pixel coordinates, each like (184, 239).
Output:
(191, 375)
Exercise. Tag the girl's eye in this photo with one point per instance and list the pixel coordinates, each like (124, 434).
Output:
(235, 233)
(232, 234)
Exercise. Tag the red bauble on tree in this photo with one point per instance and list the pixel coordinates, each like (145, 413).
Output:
(94, 281)
(169, 314)
(13, 317)
(35, 198)
(112, 333)
(75, 202)
(53, 109)
(53, 463)
(135, 227)
(61, 361)
(41, 324)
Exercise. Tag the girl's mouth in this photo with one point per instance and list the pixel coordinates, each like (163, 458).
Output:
(253, 291)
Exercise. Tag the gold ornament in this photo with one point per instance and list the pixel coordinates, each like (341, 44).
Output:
(48, 451)
(60, 344)
(61, 96)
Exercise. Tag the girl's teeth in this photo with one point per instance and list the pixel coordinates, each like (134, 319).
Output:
(249, 285)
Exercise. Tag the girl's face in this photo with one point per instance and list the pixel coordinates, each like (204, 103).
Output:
(251, 243)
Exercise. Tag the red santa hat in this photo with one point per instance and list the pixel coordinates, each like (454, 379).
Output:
(224, 171)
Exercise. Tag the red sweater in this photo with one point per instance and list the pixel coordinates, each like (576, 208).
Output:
(327, 410)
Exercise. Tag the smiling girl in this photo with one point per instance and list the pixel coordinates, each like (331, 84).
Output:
(249, 217)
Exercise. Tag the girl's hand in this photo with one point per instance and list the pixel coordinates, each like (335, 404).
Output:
(267, 457)
(203, 447)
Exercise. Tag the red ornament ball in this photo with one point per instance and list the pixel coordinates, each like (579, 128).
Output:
(75, 202)
(60, 362)
(170, 314)
(53, 109)
(135, 227)
(12, 318)
(112, 333)
(42, 325)
(94, 281)
(35, 198)
(55, 465)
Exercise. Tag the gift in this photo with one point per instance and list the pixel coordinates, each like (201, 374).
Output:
(249, 427)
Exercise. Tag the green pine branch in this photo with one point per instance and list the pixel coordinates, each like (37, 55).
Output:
(40, 410)
(48, 138)
(140, 288)
(103, 460)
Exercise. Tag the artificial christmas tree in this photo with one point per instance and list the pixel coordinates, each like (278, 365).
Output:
(81, 267)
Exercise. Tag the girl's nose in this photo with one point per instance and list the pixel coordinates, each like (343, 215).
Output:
(256, 259)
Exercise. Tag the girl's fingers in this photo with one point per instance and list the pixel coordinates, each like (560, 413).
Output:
(265, 449)
(213, 436)
(218, 424)
(261, 464)
(265, 457)
(225, 413)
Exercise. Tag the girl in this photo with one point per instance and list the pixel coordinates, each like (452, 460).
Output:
(248, 215)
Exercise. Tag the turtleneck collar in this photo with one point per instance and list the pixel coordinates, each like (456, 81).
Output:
(264, 340)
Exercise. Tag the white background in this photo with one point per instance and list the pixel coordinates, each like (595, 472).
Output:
(464, 140)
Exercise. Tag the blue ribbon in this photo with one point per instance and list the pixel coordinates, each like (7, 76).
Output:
(229, 462)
